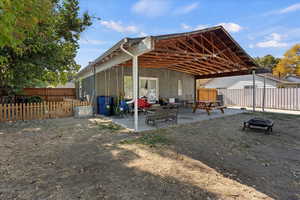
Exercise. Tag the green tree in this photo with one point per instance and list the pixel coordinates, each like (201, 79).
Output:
(290, 63)
(47, 49)
(19, 19)
(267, 61)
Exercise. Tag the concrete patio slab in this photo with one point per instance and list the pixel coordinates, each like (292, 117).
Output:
(185, 116)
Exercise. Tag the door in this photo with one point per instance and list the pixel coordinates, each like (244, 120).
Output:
(149, 88)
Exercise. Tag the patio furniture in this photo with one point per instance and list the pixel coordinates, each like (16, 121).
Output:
(161, 115)
(124, 108)
(209, 106)
(259, 123)
(143, 105)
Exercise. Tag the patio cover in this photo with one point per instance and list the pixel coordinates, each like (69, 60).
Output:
(205, 53)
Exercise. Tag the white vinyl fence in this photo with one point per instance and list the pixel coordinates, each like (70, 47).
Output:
(275, 98)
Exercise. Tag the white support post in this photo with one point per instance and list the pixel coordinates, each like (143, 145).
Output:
(264, 94)
(145, 46)
(254, 91)
(95, 93)
(135, 78)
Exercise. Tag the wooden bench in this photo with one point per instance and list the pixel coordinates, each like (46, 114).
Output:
(162, 116)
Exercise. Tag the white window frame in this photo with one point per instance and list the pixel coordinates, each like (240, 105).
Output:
(149, 78)
(157, 84)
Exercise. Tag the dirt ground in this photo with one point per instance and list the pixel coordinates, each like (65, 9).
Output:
(93, 159)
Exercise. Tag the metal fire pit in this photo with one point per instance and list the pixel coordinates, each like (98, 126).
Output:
(259, 123)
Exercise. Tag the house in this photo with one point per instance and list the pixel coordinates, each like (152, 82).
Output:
(164, 66)
(291, 81)
(241, 82)
(246, 82)
(294, 79)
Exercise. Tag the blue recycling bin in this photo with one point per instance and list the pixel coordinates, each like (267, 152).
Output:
(105, 105)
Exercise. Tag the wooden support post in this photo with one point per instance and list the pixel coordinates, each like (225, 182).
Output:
(195, 89)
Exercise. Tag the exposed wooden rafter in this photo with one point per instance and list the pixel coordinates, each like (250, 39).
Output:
(206, 53)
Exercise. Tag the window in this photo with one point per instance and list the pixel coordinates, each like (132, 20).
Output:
(148, 87)
(179, 87)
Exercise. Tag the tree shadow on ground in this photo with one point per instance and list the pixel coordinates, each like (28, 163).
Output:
(73, 159)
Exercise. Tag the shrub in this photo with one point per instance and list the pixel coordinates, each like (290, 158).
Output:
(34, 99)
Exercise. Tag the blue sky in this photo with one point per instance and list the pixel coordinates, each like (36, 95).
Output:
(260, 26)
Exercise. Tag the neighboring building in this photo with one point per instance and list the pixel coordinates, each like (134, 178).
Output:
(246, 82)
(294, 79)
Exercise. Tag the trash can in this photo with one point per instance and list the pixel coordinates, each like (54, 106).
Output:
(105, 105)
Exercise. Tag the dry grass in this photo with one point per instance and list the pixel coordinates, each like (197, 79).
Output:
(94, 159)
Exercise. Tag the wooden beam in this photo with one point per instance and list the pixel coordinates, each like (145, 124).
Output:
(199, 55)
(210, 64)
(214, 65)
(184, 43)
(237, 73)
(192, 67)
(229, 49)
(189, 65)
(178, 69)
(215, 53)
(159, 50)
(201, 45)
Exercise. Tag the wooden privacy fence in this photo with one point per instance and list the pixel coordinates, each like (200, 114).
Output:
(51, 94)
(206, 94)
(275, 98)
(37, 111)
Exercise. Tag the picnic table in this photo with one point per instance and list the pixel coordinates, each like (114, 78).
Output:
(208, 106)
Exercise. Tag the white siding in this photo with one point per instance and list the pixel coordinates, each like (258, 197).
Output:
(258, 83)
(239, 82)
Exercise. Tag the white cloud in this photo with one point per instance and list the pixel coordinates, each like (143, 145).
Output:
(117, 26)
(201, 26)
(291, 8)
(143, 34)
(251, 46)
(185, 26)
(91, 42)
(271, 43)
(151, 8)
(231, 27)
(275, 36)
(187, 9)
(274, 40)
